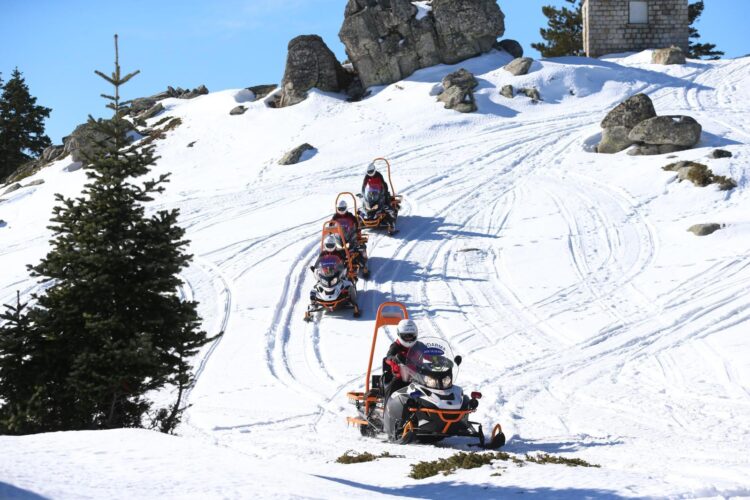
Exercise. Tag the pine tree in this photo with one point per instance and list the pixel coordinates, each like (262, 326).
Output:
(564, 36)
(113, 326)
(700, 50)
(21, 125)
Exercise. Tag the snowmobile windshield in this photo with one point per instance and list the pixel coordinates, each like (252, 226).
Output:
(372, 197)
(329, 267)
(432, 361)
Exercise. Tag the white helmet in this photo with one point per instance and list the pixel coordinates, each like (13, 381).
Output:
(371, 169)
(341, 207)
(407, 332)
(330, 243)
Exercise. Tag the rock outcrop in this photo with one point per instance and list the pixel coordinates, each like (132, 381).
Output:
(310, 64)
(238, 110)
(458, 91)
(512, 47)
(671, 55)
(295, 155)
(681, 131)
(386, 40)
(518, 67)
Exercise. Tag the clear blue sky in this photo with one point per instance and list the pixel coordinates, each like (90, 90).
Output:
(57, 44)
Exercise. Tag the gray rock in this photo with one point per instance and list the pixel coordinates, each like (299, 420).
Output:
(310, 64)
(2, 222)
(507, 91)
(721, 153)
(386, 42)
(532, 93)
(261, 91)
(614, 140)
(655, 149)
(518, 67)
(141, 104)
(630, 112)
(83, 142)
(151, 112)
(512, 47)
(52, 153)
(458, 91)
(238, 110)
(37, 182)
(675, 130)
(13, 187)
(671, 55)
(704, 229)
(295, 154)
(179, 93)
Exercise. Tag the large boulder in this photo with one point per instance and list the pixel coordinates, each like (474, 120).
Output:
(614, 140)
(518, 67)
(671, 55)
(458, 91)
(388, 40)
(512, 47)
(310, 64)
(675, 130)
(630, 112)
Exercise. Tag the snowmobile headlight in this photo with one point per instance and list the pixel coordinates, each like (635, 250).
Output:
(447, 381)
(375, 207)
(431, 382)
(334, 281)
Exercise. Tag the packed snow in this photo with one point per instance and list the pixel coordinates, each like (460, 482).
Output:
(595, 325)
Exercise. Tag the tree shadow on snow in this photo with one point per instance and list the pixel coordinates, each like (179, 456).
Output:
(13, 492)
(452, 489)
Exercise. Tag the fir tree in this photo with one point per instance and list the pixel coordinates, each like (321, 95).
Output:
(113, 326)
(564, 35)
(21, 125)
(700, 50)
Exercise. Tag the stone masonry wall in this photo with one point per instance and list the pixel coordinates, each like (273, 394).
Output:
(607, 28)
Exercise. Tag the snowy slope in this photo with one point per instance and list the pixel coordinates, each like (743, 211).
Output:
(595, 325)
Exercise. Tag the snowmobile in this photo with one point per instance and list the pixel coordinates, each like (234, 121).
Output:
(373, 213)
(357, 242)
(336, 280)
(431, 407)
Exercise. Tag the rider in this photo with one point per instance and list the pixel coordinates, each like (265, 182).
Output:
(330, 248)
(375, 179)
(350, 225)
(407, 336)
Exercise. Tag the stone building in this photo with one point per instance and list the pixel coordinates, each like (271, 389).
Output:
(611, 26)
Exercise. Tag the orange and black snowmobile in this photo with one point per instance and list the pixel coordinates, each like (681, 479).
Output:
(430, 407)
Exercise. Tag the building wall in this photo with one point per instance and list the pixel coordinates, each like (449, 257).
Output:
(607, 28)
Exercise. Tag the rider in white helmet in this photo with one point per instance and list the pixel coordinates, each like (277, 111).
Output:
(376, 179)
(407, 333)
(350, 225)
